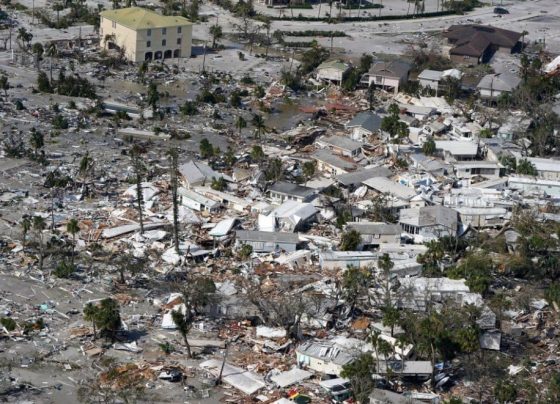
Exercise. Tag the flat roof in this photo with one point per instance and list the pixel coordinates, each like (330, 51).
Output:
(142, 18)
(265, 236)
(289, 188)
(385, 185)
(340, 141)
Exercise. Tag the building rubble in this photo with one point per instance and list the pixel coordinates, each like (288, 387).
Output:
(234, 237)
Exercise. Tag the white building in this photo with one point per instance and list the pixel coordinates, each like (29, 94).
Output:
(333, 70)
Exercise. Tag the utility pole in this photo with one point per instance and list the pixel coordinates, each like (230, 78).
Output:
(33, 13)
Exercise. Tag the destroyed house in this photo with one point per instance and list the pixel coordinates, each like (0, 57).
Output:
(364, 124)
(457, 150)
(324, 357)
(282, 191)
(268, 242)
(332, 164)
(380, 396)
(547, 169)
(531, 185)
(375, 233)
(494, 85)
(333, 70)
(430, 222)
(469, 169)
(198, 202)
(434, 79)
(385, 186)
(293, 215)
(474, 44)
(351, 181)
(340, 145)
(198, 173)
(345, 259)
(420, 369)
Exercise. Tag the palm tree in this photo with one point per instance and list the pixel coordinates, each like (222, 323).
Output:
(73, 228)
(260, 127)
(4, 84)
(523, 39)
(240, 124)
(51, 52)
(25, 227)
(90, 314)
(217, 34)
(85, 169)
(39, 225)
(184, 323)
(139, 168)
(25, 37)
(267, 24)
(58, 8)
(173, 157)
(374, 339)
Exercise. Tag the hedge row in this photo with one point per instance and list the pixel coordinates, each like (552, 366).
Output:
(326, 34)
(358, 19)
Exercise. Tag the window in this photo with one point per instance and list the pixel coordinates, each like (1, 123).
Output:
(149, 32)
(148, 44)
(163, 43)
(163, 31)
(178, 41)
(179, 30)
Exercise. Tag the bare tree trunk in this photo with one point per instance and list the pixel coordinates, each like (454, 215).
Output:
(219, 379)
(188, 346)
(41, 253)
(174, 185)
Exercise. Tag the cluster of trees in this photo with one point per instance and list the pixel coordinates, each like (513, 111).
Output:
(352, 79)
(392, 123)
(208, 150)
(72, 85)
(199, 293)
(15, 147)
(78, 11)
(534, 96)
(105, 317)
(310, 59)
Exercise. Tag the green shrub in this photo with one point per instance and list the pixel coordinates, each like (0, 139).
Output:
(9, 323)
(64, 270)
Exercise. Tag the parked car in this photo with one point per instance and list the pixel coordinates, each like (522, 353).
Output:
(500, 10)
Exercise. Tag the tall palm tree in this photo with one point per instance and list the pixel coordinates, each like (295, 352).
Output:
(51, 52)
(73, 228)
(58, 7)
(39, 224)
(260, 127)
(25, 227)
(240, 124)
(90, 314)
(374, 339)
(523, 39)
(85, 170)
(267, 24)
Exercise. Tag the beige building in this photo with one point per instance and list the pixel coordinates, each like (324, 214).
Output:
(145, 35)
